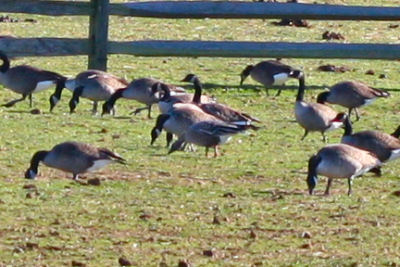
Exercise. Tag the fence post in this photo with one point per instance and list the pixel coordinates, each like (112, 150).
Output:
(98, 34)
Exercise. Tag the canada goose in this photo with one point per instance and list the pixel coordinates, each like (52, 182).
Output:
(170, 98)
(139, 90)
(314, 116)
(178, 120)
(26, 80)
(95, 85)
(220, 111)
(385, 146)
(352, 95)
(269, 73)
(339, 161)
(73, 157)
(207, 134)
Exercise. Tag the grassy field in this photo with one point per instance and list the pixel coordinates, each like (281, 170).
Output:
(248, 207)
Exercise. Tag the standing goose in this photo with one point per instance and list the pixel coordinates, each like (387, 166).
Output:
(220, 111)
(95, 85)
(170, 98)
(178, 120)
(73, 157)
(208, 134)
(314, 117)
(26, 80)
(352, 95)
(139, 90)
(385, 146)
(270, 73)
(339, 161)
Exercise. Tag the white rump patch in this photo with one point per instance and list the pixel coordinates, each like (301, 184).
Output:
(280, 78)
(395, 154)
(43, 85)
(369, 101)
(70, 84)
(335, 125)
(97, 164)
(224, 138)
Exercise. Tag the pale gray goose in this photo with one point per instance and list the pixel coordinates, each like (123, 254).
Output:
(139, 90)
(26, 80)
(385, 146)
(218, 110)
(208, 134)
(339, 161)
(314, 117)
(169, 97)
(270, 73)
(73, 157)
(95, 85)
(178, 120)
(352, 95)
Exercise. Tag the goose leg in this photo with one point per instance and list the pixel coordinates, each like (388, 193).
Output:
(138, 110)
(169, 138)
(13, 102)
(305, 134)
(267, 91)
(350, 182)
(357, 115)
(30, 100)
(149, 112)
(94, 109)
(324, 139)
(206, 151)
(216, 151)
(328, 187)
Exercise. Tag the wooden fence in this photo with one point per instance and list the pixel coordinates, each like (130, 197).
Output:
(97, 46)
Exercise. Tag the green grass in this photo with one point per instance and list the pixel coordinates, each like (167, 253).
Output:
(163, 208)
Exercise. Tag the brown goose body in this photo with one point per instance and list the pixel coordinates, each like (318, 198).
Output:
(269, 73)
(385, 146)
(73, 157)
(314, 117)
(26, 80)
(208, 134)
(352, 95)
(220, 111)
(95, 85)
(339, 161)
(178, 120)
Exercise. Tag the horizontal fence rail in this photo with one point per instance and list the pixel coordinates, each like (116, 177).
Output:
(70, 47)
(205, 9)
(97, 46)
(249, 10)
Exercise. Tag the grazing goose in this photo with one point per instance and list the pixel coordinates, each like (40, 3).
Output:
(220, 111)
(207, 134)
(339, 161)
(178, 120)
(352, 95)
(95, 85)
(270, 73)
(139, 90)
(73, 157)
(314, 117)
(170, 98)
(385, 146)
(26, 80)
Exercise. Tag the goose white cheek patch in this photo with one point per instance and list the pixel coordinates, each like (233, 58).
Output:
(280, 78)
(43, 86)
(32, 174)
